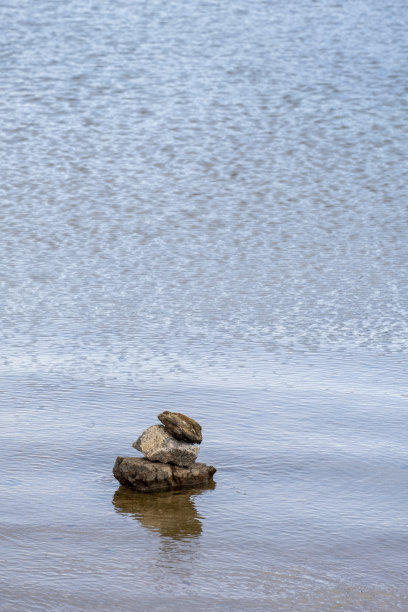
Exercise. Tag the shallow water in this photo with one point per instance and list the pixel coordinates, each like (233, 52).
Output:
(204, 209)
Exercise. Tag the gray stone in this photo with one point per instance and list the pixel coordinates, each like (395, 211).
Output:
(158, 445)
(145, 476)
(181, 426)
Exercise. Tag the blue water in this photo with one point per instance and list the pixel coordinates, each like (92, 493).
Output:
(203, 208)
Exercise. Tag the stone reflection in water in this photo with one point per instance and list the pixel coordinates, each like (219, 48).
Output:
(172, 514)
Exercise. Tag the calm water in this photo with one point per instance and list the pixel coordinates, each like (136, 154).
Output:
(204, 209)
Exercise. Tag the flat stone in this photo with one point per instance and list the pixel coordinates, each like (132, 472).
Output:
(145, 476)
(181, 426)
(158, 445)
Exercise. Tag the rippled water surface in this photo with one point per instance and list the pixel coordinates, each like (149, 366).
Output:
(203, 208)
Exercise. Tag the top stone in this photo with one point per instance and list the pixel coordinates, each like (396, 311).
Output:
(181, 426)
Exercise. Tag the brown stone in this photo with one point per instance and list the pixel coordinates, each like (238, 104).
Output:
(181, 426)
(146, 476)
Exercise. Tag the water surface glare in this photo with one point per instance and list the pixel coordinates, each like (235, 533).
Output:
(203, 208)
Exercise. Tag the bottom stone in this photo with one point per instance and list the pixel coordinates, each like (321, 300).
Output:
(147, 476)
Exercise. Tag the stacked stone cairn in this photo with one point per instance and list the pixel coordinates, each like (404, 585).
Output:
(170, 451)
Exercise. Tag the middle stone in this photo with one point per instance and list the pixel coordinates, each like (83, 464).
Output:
(158, 445)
